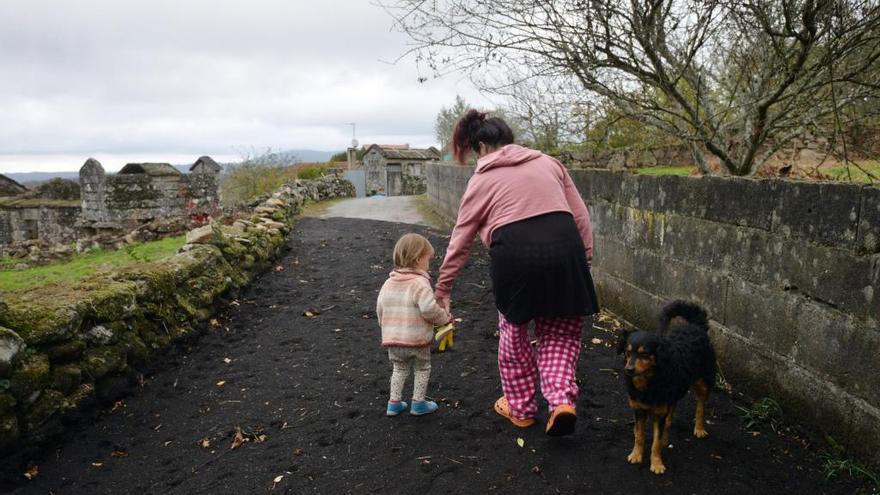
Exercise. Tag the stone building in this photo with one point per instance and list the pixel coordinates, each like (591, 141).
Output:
(141, 193)
(47, 215)
(141, 202)
(396, 170)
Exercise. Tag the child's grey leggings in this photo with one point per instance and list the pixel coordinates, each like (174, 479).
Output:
(404, 358)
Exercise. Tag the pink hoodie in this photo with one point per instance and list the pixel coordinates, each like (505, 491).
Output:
(508, 185)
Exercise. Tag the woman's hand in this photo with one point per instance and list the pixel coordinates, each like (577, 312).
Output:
(444, 302)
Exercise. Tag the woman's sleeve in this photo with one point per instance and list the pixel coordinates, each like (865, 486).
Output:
(580, 212)
(470, 217)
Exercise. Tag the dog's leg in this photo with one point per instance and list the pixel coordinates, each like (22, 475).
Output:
(702, 393)
(657, 466)
(638, 450)
(667, 426)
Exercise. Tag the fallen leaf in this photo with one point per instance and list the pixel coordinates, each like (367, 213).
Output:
(520, 442)
(117, 405)
(311, 313)
(97, 464)
(279, 268)
(205, 443)
(238, 439)
(536, 469)
(215, 322)
(221, 383)
(284, 425)
(276, 481)
(596, 341)
(227, 360)
(119, 454)
(32, 472)
(262, 438)
(168, 442)
(297, 451)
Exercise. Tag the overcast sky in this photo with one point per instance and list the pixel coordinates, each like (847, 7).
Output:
(163, 80)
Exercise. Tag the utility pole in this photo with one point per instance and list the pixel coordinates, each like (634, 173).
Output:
(354, 144)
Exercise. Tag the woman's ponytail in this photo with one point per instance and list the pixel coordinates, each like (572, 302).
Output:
(474, 128)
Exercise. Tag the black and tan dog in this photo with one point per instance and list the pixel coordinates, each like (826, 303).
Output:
(659, 371)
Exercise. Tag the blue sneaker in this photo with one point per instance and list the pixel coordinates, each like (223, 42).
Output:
(395, 408)
(420, 407)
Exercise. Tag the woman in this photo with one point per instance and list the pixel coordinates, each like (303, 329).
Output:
(527, 210)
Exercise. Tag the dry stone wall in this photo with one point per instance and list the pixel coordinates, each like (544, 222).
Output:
(61, 351)
(790, 272)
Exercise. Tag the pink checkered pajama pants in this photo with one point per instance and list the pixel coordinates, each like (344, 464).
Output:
(555, 359)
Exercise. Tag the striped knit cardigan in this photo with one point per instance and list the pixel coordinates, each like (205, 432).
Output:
(407, 309)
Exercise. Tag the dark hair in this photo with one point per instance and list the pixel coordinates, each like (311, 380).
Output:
(474, 128)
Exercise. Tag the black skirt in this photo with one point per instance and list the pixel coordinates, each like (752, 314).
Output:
(539, 269)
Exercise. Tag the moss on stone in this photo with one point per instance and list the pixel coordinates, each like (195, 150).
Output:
(32, 375)
(100, 361)
(44, 408)
(65, 351)
(9, 432)
(7, 403)
(66, 378)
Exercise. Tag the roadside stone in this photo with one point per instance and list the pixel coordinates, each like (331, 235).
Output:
(275, 202)
(7, 403)
(201, 235)
(66, 351)
(100, 335)
(31, 376)
(42, 419)
(101, 361)
(9, 432)
(10, 347)
(272, 224)
(265, 209)
(66, 378)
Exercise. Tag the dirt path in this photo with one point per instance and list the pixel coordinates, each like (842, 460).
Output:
(389, 209)
(316, 388)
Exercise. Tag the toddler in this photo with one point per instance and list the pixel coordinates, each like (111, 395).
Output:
(407, 313)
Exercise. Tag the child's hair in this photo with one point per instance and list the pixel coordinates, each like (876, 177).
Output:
(409, 249)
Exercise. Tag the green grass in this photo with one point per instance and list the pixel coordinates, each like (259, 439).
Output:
(664, 170)
(318, 208)
(88, 263)
(837, 462)
(764, 411)
(856, 175)
(430, 214)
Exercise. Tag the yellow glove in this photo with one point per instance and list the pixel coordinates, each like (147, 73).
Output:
(444, 335)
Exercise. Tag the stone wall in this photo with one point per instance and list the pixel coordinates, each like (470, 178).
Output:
(125, 201)
(790, 272)
(34, 222)
(62, 348)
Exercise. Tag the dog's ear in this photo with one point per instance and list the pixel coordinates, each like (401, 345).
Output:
(621, 341)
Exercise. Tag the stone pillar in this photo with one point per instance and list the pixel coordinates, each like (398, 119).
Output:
(91, 181)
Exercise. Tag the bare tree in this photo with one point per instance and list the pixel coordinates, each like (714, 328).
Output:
(735, 78)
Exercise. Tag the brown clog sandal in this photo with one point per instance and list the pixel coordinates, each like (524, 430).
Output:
(503, 408)
(562, 420)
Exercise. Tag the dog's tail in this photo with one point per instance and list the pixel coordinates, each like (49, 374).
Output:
(690, 311)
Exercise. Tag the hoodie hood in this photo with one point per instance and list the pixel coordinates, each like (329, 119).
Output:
(404, 274)
(508, 156)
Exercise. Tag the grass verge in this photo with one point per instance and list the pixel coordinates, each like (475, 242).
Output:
(430, 215)
(317, 209)
(664, 171)
(88, 263)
